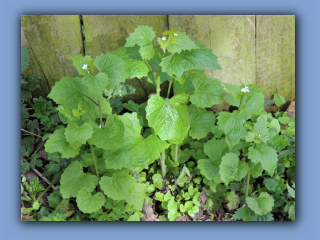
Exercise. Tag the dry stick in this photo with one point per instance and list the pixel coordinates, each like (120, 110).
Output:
(30, 133)
(40, 175)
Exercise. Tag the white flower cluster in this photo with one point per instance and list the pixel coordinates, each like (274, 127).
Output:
(245, 89)
(176, 34)
(164, 38)
(85, 66)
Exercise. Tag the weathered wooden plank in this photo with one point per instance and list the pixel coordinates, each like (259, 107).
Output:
(52, 38)
(109, 32)
(276, 55)
(232, 39)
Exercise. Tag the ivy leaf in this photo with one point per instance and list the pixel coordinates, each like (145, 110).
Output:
(78, 135)
(134, 150)
(208, 92)
(233, 200)
(142, 36)
(137, 196)
(78, 61)
(278, 99)
(201, 122)
(119, 186)
(232, 169)
(169, 118)
(201, 59)
(262, 204)
(73, 179)
(253, 101)
(88, 203)
(110, 136)
(114, 67)
(232, 125)
(57, 143)
(267, 156)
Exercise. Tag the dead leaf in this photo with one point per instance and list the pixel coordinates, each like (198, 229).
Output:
(182, 219)
(291, 110)
(148, 214)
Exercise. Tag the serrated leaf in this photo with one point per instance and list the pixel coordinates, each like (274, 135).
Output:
(267, 156)
(88, 203)
(252, 102)
(177, 41)
(241, 214)
(73, 179)
(142, 36)
(114, 67)
(292, 212)
(137, 196)
(134, 150)
(278, 99)
(83, 64)
(137, 69)
(96, 84)
(119, 186)
(208, 92)
(78, 135)
(267, 217)
(232, 168)
(201, 59)
(210, 169)
(169, 118)
(232, 125)
(57, 143)
(110, 136)
(262, 204)
(201, 122)
(216, 148)
(233, 200)
(278, 142)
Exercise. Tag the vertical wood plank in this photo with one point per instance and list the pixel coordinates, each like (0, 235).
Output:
(51, 39)
(276, 55)
(232, 39)
(109, 32)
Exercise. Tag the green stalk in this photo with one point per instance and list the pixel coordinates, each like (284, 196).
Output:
(94, 160)
(169, 88)
(163, 163)
(54, 180)
(248, 179)
(26, 199)
(100, 113)
(176, 153)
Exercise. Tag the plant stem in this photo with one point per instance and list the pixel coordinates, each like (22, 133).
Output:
(54, 180)
(169, 88)
(30, 133)
(163, 163)
(100, 113)
(176, 153)
(248, 179)
(26, 199)
(94, 160)
(91, 99)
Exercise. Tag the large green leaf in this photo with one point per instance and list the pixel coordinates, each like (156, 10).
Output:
(96, 84)
(210, 169)
(216, 149)
(169, 118)
(260, 128)
(201, 59)
(232, 125)
(78, 135)
(114, 67)
(119, 186)
(137, 196)
(142, 36)
(232, 168)
(110, 136)
(57, 143)
(134, 150)
(137, 68)
(261, 205)
(252, 102)
(88, 203)
(232, 94)
(201, 122)
(73, 179)
(265, 155)
(208, 91)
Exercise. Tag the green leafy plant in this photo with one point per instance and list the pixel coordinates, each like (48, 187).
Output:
(167, 149)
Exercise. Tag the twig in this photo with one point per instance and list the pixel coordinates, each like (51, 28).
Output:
(30, 133)
(40, 175)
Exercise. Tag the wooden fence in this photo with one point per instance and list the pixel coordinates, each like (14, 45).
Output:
(251, 49)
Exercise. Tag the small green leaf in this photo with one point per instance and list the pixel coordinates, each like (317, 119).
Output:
(271, 184)
(157, 180)
(83, 64)
(292, 212)
(278, 99)
(76, 136)
(88, 203)
(291, 191)
(135, 217)
(267, 156)
(253, 101)
(233, 200)
(262, 204)
(232, 168)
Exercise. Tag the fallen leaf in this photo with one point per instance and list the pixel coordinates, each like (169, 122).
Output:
(148, 214)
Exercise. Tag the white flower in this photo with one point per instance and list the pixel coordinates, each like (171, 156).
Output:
(245, 89)
(176, 34)
(85, 66)
(164, 38)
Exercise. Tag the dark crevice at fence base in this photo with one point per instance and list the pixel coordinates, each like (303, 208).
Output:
(83, 36)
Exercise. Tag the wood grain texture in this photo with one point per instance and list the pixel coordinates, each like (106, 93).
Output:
(276, 55)
(51, 38)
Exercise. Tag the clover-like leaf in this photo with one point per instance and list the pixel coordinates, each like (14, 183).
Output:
(57, 143)
(261, 205)
(169, 118)
(73, 179)
(78, 135)
(208, 92)
(88, 203)
(119, 186)
(265, 155)
(201, 122)
(232, 168)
